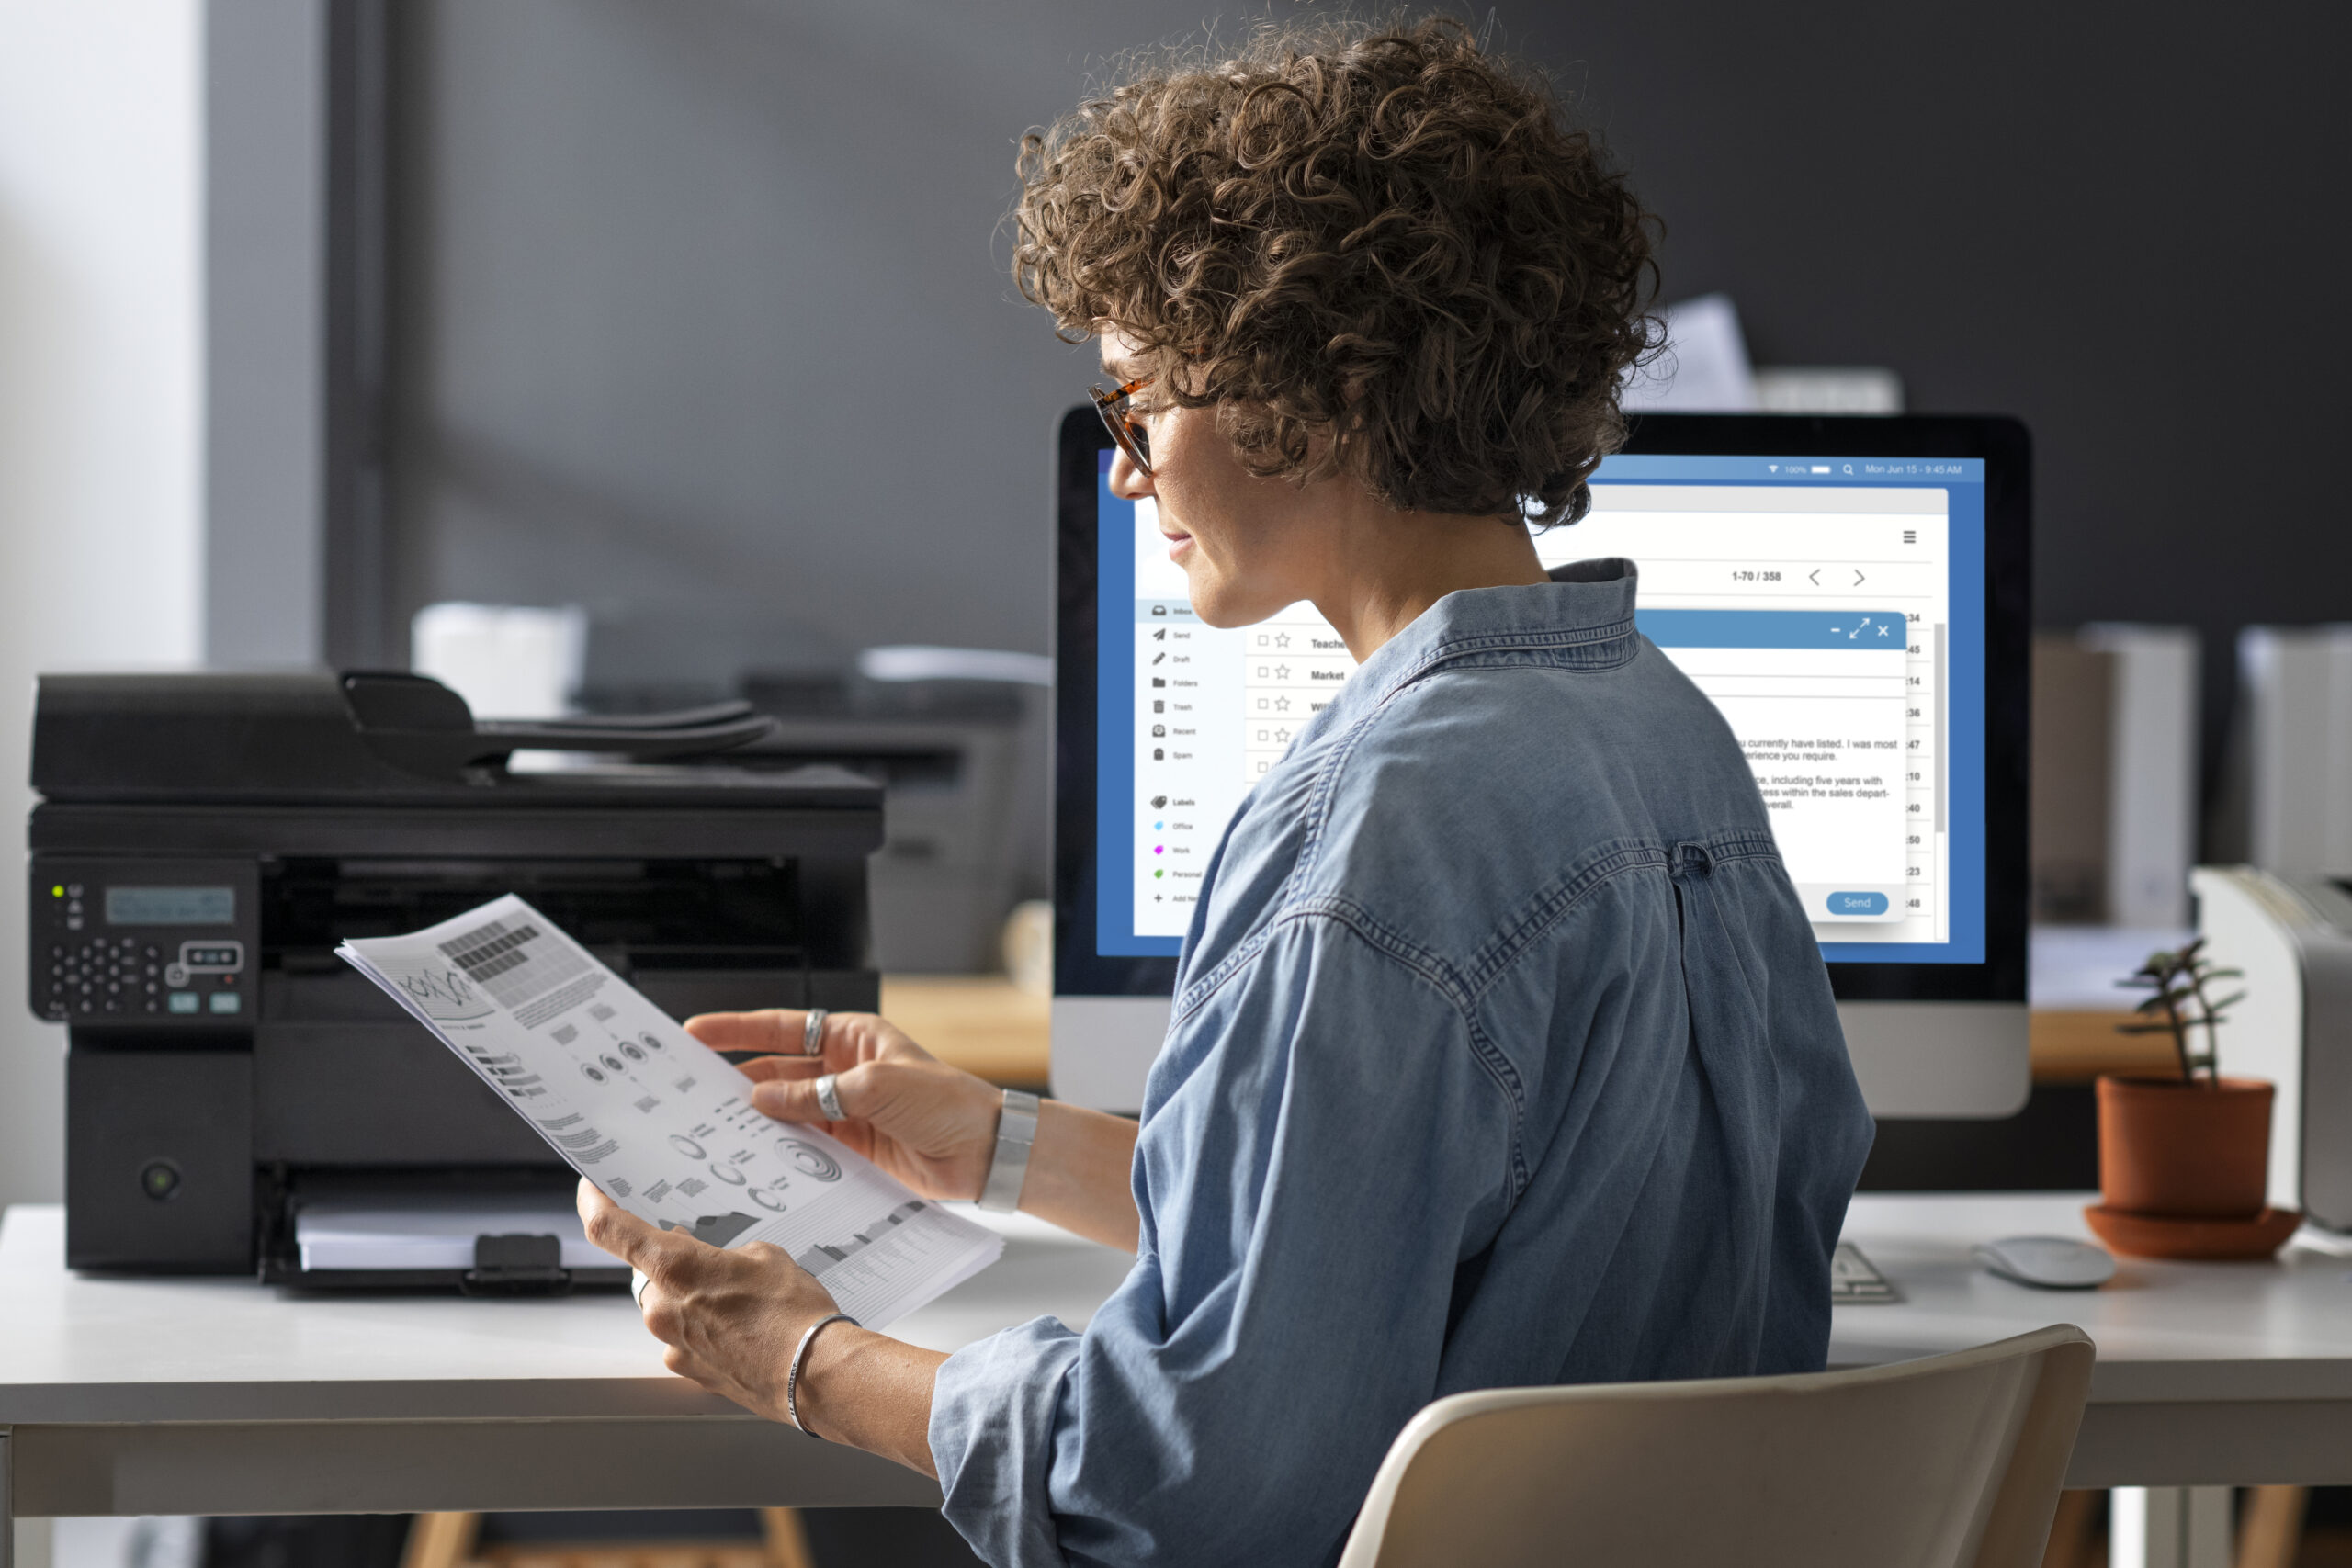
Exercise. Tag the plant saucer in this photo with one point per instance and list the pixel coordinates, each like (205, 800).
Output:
(2199, 1239)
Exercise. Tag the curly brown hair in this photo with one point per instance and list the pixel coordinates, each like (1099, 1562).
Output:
(1371, 247)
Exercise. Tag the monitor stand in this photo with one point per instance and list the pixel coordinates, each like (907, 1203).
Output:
(1103, 1048)
(1912, 1059)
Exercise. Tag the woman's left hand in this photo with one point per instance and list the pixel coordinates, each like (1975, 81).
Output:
(730, 1318)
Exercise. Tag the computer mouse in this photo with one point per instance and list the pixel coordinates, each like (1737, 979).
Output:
(2047, 1262)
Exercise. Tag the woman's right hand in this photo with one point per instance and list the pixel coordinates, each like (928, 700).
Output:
(931, 1126)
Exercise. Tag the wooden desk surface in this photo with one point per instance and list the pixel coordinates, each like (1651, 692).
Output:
(2075, 1047)
(984, 1025)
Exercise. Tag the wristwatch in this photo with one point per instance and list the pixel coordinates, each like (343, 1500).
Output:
(1016, 1129)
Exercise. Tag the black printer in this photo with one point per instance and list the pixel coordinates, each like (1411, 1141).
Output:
(201, 843)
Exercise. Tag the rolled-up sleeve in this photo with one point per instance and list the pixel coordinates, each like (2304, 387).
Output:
(1328, 1145)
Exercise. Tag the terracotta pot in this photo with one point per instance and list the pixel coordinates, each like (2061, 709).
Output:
(2197, 1149)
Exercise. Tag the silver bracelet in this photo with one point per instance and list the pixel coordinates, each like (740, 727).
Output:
(1016, 1129)
(800, 1354)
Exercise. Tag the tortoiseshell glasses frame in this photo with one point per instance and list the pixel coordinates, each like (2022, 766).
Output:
(1125, 428)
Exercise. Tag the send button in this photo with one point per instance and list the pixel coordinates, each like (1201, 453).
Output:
(1851, 904)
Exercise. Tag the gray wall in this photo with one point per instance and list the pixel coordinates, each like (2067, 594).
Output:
(702, 317)
(265, 392)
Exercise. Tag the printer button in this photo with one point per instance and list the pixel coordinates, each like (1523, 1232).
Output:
(181, 1001)
(225, 1001)
(160, 1180)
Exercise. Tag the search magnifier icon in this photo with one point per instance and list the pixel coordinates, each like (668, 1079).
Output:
(1849, 468)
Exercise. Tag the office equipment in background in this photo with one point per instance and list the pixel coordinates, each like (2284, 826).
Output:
(506, 660)
(2292, 937)
(1827, 389)
(949, 740)
(2292, 750)
(1756, 536)
(202, 843)
(2114, 781)
(1702, 366)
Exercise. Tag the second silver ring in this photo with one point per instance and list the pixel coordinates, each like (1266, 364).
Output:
(812, 1034)
(829, 1099)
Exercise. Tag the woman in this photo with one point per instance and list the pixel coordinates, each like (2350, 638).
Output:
(1502, 1052)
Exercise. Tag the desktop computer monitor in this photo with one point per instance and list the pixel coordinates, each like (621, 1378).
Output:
(1851, 593)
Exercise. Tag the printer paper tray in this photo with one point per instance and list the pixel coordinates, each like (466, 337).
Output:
(352, 1233)
(441, 1281)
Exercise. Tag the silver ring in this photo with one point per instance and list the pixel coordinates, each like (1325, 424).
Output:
(812, 1034)
(829, 1099)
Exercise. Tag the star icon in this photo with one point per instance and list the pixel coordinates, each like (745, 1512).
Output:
(1282, 703)
(1281, 639)
(1282, 672)
(1283, 734)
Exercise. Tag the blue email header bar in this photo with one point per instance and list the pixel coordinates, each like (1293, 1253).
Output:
(1642, 468)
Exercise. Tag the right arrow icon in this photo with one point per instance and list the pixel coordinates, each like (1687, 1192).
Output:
(1858, 578)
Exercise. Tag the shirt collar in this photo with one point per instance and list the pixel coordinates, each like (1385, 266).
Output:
(1583, 617)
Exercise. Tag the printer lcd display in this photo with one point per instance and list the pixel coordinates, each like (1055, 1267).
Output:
(171, 905)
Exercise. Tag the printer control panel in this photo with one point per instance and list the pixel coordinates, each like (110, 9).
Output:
(161, 943)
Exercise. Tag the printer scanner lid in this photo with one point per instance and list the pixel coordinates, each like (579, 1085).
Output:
(388, 737)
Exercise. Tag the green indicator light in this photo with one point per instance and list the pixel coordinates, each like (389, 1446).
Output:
(58, 891)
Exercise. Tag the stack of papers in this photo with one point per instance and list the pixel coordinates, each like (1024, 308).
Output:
(663, 1125)
(339, 1235)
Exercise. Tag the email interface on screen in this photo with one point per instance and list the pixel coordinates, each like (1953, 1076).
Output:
(1833, 608)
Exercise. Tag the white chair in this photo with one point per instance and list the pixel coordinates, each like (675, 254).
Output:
(1953, 1461)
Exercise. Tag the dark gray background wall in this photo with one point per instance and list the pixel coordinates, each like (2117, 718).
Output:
(701, 318)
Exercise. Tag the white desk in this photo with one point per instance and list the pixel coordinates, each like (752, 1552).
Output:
(219, 1396)
(2209, 1373)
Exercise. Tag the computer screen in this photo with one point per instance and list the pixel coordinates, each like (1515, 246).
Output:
(1852, 595)
(1832, 607)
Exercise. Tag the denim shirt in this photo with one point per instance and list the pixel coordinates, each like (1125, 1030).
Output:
(1502, 1053)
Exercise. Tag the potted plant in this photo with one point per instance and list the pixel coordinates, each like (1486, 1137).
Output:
(2184, 1162)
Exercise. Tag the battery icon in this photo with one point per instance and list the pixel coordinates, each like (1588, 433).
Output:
(1821, 468)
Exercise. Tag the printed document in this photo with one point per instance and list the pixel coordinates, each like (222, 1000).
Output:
(663, 1125)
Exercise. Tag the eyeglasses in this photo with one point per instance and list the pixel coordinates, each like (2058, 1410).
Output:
(1121, 422)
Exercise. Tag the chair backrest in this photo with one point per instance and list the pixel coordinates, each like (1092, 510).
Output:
(1950, 1462)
